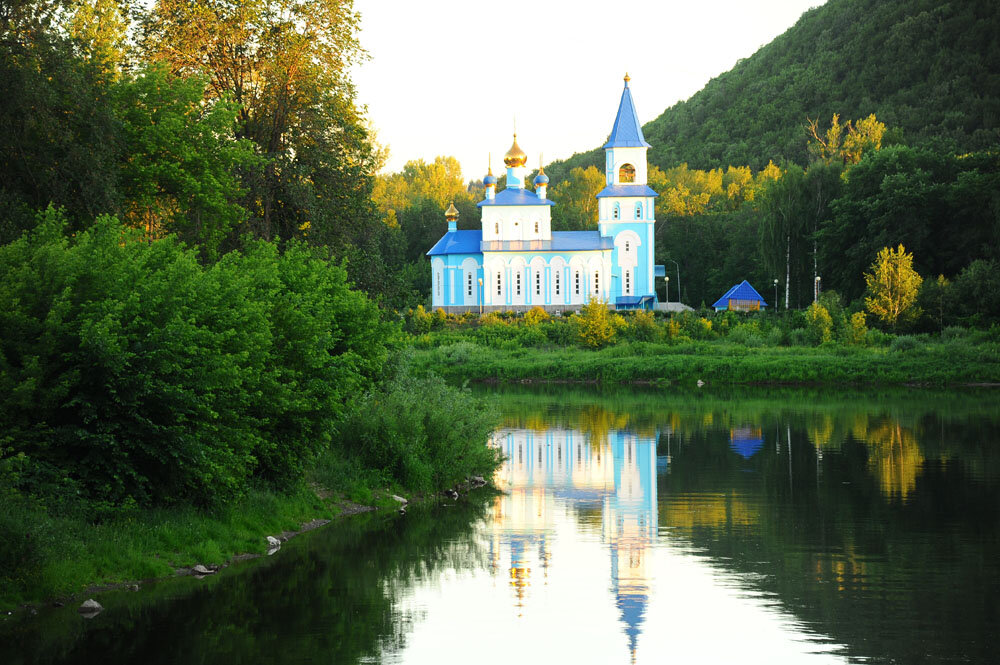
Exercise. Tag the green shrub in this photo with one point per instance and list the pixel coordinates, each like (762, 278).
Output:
(876, 337)
(419, 321)
(458, 353)
(535, 316)
(134, 374)
(800, 337)
(904, 343)
(643, 327)
(596, 327)
(857, 332)
(819, 324)
(420, 432)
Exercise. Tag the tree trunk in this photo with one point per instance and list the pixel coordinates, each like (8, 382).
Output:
(788, 265)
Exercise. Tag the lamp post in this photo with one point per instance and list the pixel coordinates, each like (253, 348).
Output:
(678, 279)
(666, 288)
(816, 290)
(482, 296)
(775, 295)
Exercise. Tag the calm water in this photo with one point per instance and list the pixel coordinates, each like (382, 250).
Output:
(751, 527)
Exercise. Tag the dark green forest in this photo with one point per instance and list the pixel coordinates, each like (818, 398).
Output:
(926, 68)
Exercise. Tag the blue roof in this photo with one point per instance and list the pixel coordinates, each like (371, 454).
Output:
(626, 133)
(562, 241)
(627, 190)
(457, 242)
(742, 291)
(512, 196)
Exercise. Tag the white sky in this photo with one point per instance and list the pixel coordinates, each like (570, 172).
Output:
(446, 77)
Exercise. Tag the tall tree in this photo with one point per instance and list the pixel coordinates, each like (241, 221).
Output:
(893, 285)
(783, 236)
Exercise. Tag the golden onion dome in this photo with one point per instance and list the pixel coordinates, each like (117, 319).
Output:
(451, 214)
(515, 156)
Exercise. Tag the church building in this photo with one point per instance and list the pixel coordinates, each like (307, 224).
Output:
(516, 262)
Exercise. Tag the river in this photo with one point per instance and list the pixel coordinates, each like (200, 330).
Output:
(751, 526)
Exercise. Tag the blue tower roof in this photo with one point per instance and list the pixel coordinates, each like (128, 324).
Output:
(626, 133)
(490, 179)
(541, 178)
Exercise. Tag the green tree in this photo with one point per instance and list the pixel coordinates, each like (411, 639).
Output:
(179, 174)
(783, 239)
(892, 286)
(577, 200)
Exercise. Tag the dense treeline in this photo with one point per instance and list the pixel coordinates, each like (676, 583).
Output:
(216, 122)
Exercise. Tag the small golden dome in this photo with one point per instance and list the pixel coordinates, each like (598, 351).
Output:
(515, 156)
(451, 214)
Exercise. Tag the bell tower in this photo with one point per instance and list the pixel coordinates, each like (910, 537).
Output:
(626, 204)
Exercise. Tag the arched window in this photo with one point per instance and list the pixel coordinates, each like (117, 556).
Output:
(558, 274)
(538, 283)
(517, 282)
(468, 283)
(499, 292)
(536, 227)
(616, 213)
(638, 211)
(627, 245)
(597, 282)
(439, 284)
(496, 228)
(577, 285)
(626, 173)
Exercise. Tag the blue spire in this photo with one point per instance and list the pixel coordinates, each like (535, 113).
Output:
(627, 133)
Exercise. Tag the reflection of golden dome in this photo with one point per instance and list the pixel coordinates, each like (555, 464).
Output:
(515, 156)
(451, 214)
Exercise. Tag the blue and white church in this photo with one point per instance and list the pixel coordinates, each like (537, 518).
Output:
(516, 262)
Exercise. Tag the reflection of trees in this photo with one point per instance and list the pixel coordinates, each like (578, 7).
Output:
(895, 457)
(707, 510)
(331, 597)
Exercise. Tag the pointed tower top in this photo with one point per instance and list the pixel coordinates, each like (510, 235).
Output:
(451, 214)
(627, 132)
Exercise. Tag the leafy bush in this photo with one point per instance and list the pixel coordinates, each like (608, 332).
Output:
(857, 331)
(876, 337)
(643, 327)
(799, 337)
(904, 343)
(136, 374)
(458, 353)
(419, 321)
(596, 327)
(420, 432)
(819, 325)
(535, 316)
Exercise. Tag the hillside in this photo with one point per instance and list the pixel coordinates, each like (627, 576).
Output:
(928, 68)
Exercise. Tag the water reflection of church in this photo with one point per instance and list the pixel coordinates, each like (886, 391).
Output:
(616, 475)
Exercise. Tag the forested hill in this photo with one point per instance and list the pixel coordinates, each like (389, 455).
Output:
(929, 68)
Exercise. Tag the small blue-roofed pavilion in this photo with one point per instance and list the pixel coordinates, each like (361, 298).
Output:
(741, 298)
